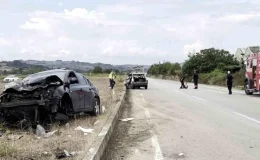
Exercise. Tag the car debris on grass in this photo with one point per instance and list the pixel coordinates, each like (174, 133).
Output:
(127, 119)
(26, 144)
(48, 96)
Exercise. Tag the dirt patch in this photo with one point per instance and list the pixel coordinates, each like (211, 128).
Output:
(126, 135)
(26, 145)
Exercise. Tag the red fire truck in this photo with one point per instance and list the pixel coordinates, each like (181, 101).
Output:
(252, 75)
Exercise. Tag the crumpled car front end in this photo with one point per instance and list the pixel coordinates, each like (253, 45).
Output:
(30, 100)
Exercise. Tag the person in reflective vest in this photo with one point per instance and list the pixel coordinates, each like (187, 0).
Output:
(112, 77)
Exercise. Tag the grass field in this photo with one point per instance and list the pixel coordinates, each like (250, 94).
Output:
(30, 147)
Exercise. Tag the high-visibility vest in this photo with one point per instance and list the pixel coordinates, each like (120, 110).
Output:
(112, 75)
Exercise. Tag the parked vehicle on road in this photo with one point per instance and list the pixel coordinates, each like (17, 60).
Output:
(136, 80)
(252, 75)
(49, 95)
(10, 78)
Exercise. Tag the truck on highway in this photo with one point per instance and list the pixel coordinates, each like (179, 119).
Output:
(252, 74)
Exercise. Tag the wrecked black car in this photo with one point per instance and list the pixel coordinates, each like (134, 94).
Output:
(50, 95)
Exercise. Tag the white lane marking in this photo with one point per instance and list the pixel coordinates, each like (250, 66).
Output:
(198, 98)
(147, 113)
(252, 119)
(155, 142)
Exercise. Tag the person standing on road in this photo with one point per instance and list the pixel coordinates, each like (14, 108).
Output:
(182, 82)
(112, 78)
(229, 82)
(195, 79)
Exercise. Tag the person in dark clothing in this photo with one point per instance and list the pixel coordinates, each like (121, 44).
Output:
(182, 82)
(229, 82)
(195, 79)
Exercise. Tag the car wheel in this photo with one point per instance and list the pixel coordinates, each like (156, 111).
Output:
(146, 87)
(247, 91)
(96, 107)
(65, 106)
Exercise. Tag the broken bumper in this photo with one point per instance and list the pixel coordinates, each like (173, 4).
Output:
(22, 103)
(141, 84)
(28, 109)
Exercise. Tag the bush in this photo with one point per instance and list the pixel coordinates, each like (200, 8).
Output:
(208, 60)
(239, 78)
(6, 150)
(97, 69)
(165, 69)
(120, 79)
(217, 77)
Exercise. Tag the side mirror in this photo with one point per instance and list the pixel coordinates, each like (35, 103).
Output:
(73, 80)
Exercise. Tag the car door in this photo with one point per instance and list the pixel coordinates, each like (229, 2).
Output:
(88, 94)
(91, 85)
(76, 93)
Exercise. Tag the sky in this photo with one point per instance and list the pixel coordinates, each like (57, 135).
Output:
(124, 31)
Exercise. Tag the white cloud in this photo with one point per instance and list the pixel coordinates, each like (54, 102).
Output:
(60, 4)
(31, 51)
(66, 52)
(55, 55)
(5, 42)
(37, 24)
(169, 27)
(24, 50)
(239, 17)
(128, 48)
(120, 8)
(82, 13)
(157, 29)
(192, 48)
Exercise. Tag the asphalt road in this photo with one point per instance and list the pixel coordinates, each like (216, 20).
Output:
(172, 123)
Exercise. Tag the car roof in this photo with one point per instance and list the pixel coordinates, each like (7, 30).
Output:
(55, 70)
(49, 72)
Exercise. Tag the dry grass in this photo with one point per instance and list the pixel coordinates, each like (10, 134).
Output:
(30, 147)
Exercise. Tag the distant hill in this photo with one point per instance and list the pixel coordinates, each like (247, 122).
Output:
(74, 65)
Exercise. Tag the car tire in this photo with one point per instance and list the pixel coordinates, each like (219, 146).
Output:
(96, 107)
(246, 90)
(65, 106)
(146, 87)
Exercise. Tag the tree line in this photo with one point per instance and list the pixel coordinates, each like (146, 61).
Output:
(204, 61)
(208, 60)
(98, 69)
(165, 68)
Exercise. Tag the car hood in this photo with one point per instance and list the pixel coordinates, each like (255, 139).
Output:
(32, 83)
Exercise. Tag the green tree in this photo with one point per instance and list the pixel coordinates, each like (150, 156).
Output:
(97, 69)
(164, 69)
(4, 72)
(107, 71)
(207, 60)
(20, 70)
